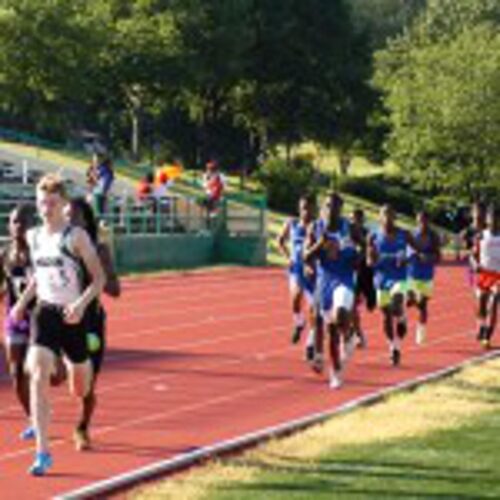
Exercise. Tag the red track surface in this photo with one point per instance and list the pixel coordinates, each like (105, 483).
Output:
(198, 358)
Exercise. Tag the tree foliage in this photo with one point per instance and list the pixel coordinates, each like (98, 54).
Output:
(229, 77)
(441, 82)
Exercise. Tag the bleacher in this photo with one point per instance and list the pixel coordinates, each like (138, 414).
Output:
(16, 186)
(172, 232)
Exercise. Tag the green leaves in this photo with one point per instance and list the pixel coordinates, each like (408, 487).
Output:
(441, 82)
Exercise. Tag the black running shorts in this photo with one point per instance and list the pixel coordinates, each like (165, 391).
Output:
(51, 331)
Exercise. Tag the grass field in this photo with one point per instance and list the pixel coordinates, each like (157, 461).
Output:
(440, 442)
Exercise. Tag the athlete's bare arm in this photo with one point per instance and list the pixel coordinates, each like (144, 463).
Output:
(313, 245)
(29, 294)
(84, 249)
(436, 246)
(112, 286)
(283, 238)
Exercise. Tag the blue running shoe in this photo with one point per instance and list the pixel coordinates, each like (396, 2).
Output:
(28, 434)
(43, 462)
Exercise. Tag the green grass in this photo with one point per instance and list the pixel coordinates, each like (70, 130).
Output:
(438, 442)
(456, 464)
(460, 463)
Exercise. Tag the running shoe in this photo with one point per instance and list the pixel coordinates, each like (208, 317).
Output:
(81, 439)
(28, 434)
(486, 343)
(43, 462)
(335, 380)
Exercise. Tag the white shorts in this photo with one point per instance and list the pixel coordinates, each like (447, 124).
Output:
(342, 298)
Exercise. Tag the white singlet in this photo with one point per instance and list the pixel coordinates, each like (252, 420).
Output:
(489, 251)
(58, 274)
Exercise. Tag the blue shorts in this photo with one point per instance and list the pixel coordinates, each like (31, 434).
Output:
(307, 285)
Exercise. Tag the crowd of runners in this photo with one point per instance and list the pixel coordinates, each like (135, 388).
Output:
(53, 274)
(336, 264)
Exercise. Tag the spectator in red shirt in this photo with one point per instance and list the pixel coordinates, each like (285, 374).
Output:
(213, 184)
(145, 188)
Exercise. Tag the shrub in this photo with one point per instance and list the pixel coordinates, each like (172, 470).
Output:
(285, 183)
(381, 189)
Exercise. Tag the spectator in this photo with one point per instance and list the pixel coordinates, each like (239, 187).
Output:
(213, 184)
(162, 183)
(100, 177)
(91, 175)
(145, 188)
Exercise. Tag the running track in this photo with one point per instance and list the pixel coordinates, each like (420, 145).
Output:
(197, 358)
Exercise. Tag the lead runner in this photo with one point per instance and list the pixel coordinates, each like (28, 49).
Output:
(59, 252)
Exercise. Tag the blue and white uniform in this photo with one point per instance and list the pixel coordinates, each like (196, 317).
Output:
(296, 271)
(336, 273)
(390, 269)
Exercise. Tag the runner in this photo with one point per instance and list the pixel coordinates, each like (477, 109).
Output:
(14, 273)
(365, 291)
(387, 254)
(489, 275)
(59, 254)
(330, 244)
(470, 237)
(421, 270)
(81, 215)
(301, 278)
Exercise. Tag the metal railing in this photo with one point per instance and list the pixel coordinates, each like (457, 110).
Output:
(238, 213)
(171, 214)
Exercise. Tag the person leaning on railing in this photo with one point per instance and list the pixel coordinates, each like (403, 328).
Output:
(213, 185)
(145, 188)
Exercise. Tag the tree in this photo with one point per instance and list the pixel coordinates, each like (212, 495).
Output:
(441, 82)
(305, 61)
(46, 61)
(138, 61)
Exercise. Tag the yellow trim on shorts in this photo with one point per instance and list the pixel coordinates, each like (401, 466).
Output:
(384, 297)
(422, 288)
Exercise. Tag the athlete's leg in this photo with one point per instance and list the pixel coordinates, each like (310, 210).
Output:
(334, 348)
(79, 378)
(483, 298)
(492, 315)
(399, 312)
(16, 358)
(296, 296)
(423, 315)
(40, 363)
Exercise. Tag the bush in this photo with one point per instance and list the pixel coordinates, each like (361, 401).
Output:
(284, 184)
(382, 189)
